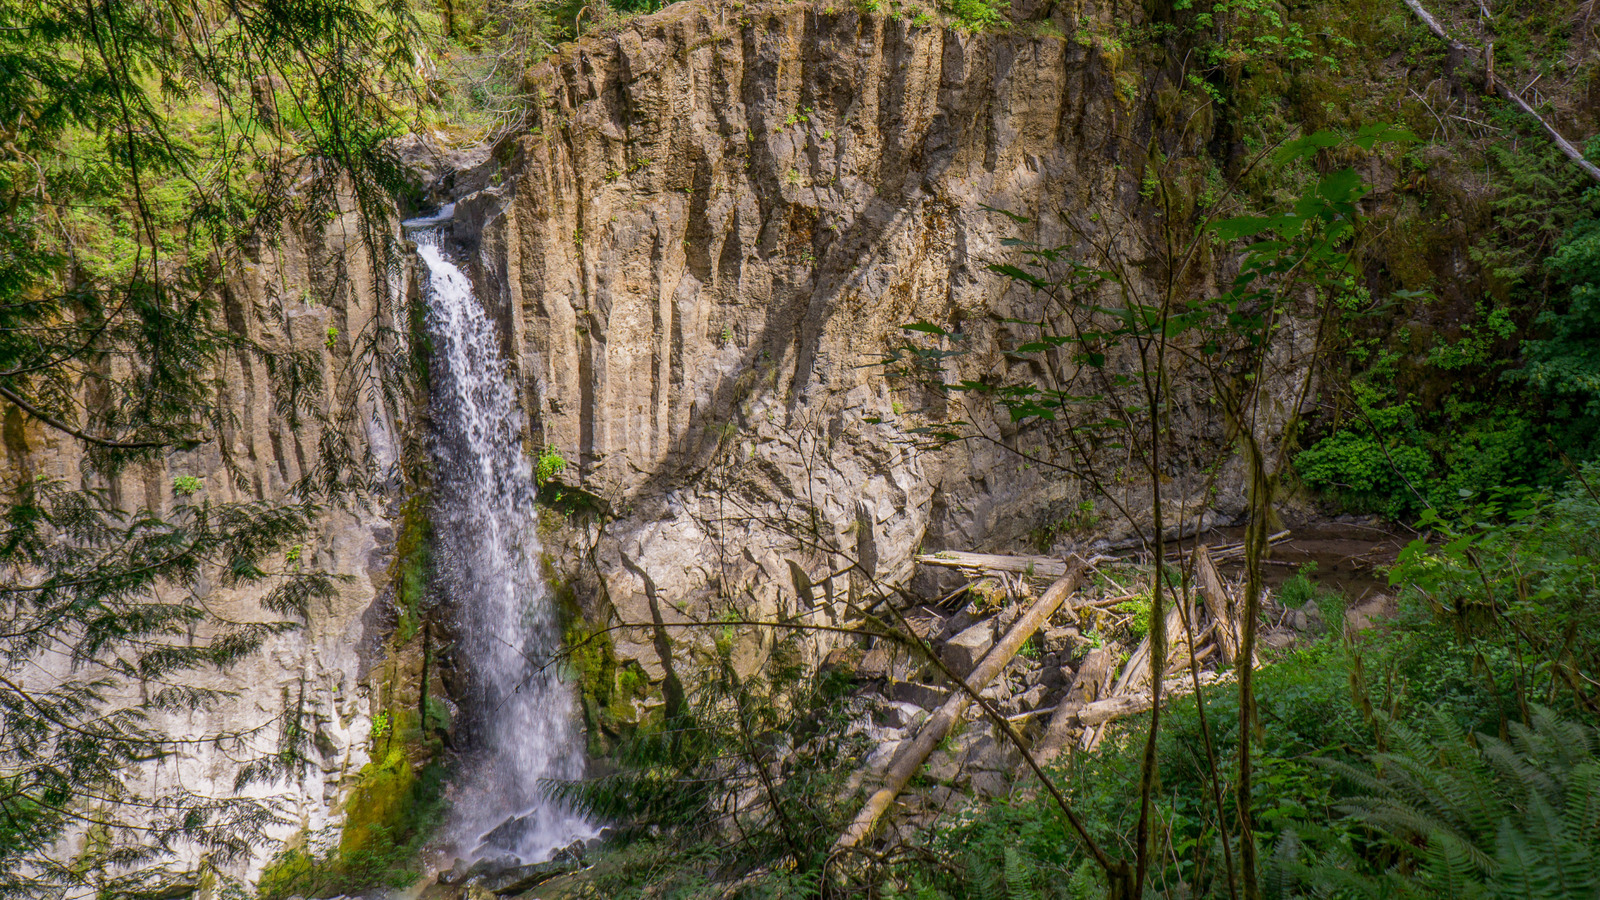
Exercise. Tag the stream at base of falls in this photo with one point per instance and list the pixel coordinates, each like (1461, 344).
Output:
(484, 523)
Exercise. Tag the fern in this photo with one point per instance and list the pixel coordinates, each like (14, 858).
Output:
(1463, 817)
(1021, 875)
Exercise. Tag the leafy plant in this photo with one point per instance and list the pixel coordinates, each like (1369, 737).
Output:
(1460, 815)
(549, 466)
(745, 775)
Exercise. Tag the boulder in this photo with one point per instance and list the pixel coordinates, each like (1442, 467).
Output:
(914, 692)
(963, 651)
(990, 784)
(901, 715)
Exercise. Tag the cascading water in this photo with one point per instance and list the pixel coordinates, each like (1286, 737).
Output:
(489, 563)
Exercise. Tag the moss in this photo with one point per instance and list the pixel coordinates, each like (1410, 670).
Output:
(388, 817)
(288, 872)
(608, 689)
(378, 803)
(413, 568)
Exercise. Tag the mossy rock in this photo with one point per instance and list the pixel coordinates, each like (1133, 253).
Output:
(379, 803)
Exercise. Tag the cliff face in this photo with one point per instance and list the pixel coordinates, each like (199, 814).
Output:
(711, 232)
(717, 224)
(313, 293)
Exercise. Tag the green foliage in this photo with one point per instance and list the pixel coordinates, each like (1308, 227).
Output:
(1138, 610)
(391, 811)
(1299, 588)
(1533, 572)
(549, 466)
(975, 15)
(1376, 464)
(1466, 816)
(1563, 363)
(186, 485)
(750, 778)
(1384, 460)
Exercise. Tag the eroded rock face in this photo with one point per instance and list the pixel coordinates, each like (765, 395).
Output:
(718, 221)
(310, 292)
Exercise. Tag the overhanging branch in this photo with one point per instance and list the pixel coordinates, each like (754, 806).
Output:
(1500, 87)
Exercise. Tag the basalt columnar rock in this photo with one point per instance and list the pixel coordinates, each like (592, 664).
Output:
(311, 291)
(709, 235)
(699, 248)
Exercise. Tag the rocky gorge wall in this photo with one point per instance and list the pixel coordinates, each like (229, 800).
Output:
(713, 227)
(310, 291)
(717, 223)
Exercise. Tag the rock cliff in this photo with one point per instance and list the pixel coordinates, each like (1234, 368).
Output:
(708, 234)
(716, 223)
(311, 292)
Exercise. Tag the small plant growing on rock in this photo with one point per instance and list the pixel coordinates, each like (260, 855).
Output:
(550, 465)
(187, 485)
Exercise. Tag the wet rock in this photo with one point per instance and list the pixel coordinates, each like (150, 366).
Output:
(525, 878)
(963, 651)
(456, 873)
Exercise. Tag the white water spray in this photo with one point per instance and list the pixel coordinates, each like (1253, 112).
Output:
(489, 562)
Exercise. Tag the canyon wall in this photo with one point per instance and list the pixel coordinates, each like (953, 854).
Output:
(699, 250)
(710, 235)
(311, 291)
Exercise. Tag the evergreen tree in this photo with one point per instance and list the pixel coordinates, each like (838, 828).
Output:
(144, 144)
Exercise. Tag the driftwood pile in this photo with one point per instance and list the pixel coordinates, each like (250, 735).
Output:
(1100, 692)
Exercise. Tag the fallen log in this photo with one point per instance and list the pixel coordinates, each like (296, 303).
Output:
(1086, 687)
(1229, 551)
(1219, 603)
(911, 756)
(1046, 566)
(1097, 714)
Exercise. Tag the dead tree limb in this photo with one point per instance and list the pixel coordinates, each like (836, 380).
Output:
(1219, 604)
(1499, 86)
(911, 756)
(1091, 679)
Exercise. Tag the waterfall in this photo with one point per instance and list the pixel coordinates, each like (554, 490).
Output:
(484, 522)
